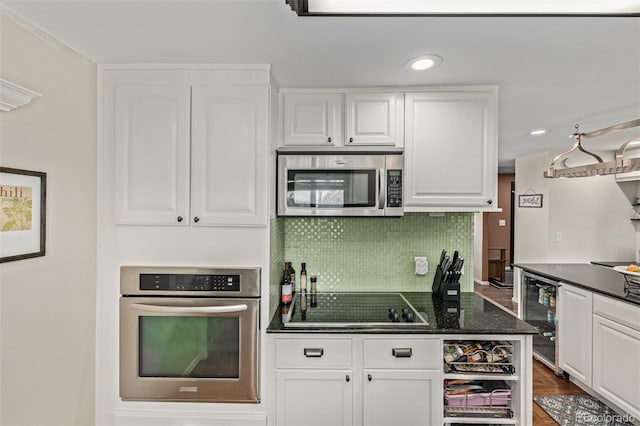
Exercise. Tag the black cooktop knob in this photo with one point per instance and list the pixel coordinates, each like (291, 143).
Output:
(394, 317)
(410, 318)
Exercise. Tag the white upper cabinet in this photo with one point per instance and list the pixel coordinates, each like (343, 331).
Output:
(152, 134)
(374, 119)
(323, 119)
(228, 155)
(312, 119)
(189, 148)
(451, 149)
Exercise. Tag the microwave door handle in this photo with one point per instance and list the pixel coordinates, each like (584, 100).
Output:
(382, 189)
(188, 309)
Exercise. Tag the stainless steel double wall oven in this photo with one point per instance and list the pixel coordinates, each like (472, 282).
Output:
(189, 334)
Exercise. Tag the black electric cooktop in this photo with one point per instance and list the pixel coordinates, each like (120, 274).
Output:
(352, 310)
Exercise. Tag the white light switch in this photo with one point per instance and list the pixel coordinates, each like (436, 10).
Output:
(420, 265)
(502, 222)
(559, 237)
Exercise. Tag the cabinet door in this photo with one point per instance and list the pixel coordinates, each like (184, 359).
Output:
(151, 132)
(575, 331)
(616, 369)
(375, 119)
(314, 397)
(450, 150)
(229, 149)
(312, 119)
(402, 397)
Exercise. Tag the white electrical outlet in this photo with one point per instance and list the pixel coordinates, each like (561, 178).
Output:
(502, 222)
(420, 265)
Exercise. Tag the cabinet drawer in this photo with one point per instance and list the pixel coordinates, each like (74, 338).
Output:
(402, 353)
(313, 353)
(615, 310)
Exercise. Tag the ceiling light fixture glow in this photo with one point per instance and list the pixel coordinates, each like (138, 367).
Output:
(467, 7)
(537, 132)
(422, 63)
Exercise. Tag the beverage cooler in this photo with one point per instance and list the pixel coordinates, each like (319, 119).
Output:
(539, 298)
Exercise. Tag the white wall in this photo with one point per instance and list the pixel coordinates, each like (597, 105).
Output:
(592, 214)
(47, 304)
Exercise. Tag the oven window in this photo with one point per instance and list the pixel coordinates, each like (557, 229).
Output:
(331, 188)
(205, 347)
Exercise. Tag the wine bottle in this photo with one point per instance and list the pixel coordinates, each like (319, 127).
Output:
(303, 278)
(286, 294)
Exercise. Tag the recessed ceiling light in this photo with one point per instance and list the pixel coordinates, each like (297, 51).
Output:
(423, 62)
(537, 132)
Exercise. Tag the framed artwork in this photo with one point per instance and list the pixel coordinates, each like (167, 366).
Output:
(22, 214)
(530, 200)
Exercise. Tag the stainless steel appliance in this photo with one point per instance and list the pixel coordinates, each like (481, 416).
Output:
(189, 334)
(340, 184)
(539, 301)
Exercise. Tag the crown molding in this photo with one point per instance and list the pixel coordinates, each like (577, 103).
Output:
(13, 96)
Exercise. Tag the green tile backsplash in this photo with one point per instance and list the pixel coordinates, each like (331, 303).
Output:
(276, 261)
(371, 254)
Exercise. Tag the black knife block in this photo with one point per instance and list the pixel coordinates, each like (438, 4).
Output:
(446, 285)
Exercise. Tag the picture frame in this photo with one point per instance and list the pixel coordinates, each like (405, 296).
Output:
(23, 195)
(530, 200)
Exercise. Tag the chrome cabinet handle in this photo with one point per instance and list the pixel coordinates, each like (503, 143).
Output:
(313, 352)
(146, 307)
(180, 219)
(369, 377)
(196, 219)
(347, 378)
(489, 201)
(350, 140)
(329, 139)
(402, 352)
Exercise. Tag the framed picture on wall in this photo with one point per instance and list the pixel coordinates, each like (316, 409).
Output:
(530, 200)
(22, 214)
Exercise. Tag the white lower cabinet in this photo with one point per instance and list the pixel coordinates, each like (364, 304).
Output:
(401, 397)
(616, 354)
(314, 397)
(360, 381)
(575, 331)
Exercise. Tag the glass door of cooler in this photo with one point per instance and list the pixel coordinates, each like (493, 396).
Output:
(539, 300)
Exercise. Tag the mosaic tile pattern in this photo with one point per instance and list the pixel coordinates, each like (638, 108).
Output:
(376, 254)
(276, 261)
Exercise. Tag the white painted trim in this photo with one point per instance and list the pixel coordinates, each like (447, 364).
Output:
(14, 96)
(435, 88)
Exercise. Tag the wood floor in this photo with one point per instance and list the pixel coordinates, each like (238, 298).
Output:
(545, 382)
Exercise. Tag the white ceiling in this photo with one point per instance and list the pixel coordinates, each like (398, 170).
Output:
(553, 72)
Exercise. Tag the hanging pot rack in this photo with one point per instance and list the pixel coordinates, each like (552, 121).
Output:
(618, 165)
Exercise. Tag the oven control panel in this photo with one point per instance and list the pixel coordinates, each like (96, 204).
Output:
(190, 282)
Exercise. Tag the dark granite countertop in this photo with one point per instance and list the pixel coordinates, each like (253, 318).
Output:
(472, 315)
(599, 279)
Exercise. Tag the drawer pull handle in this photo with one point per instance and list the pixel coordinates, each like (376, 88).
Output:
(347, 378)
(369, 377)
(402, 352)
(313, 352)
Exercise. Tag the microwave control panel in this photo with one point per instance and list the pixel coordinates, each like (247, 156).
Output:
(189, 282)
(394, 188)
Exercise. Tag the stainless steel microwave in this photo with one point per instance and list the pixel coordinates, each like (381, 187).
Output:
(339, 184)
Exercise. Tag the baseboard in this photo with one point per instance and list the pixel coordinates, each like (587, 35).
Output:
(480, 282)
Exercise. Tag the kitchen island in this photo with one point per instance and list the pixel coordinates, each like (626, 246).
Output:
(385, 372)
(598, 326)
(599, 279)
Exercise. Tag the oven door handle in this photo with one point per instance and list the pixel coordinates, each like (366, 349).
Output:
(189, 309)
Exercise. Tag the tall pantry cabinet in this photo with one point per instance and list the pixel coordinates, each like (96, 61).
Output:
(189, 146)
